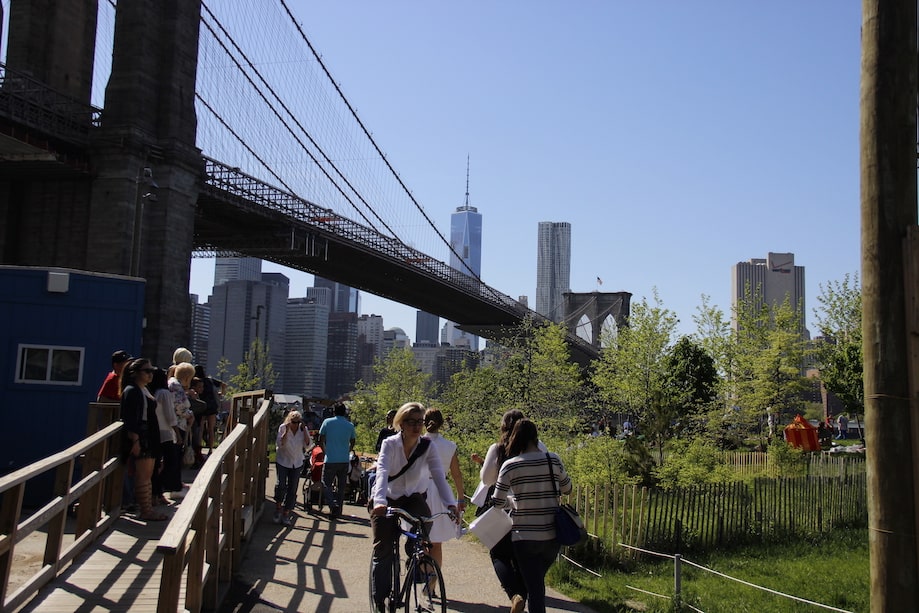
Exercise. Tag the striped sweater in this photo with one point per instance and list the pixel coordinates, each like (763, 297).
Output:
(527, 477)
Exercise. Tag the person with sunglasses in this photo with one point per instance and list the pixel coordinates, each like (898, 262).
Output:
(292, 442)
(141, 433)
(405, 488)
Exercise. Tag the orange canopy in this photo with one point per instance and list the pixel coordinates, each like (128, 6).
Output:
(801, 434)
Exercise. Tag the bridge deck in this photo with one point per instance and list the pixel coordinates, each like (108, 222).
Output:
(121, 573)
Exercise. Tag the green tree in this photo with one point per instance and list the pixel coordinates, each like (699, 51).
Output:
(255, 372)
(768, 362)
(691, 386)
(398, 379)
(839, 357)
(632, 373)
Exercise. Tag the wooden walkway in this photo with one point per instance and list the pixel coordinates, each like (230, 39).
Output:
(121, 572)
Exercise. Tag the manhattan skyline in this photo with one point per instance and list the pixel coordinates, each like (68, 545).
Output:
(677, 140)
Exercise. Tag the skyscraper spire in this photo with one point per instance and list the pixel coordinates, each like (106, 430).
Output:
(467, 180)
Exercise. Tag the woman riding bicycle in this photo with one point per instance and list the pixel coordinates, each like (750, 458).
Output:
(398, 486)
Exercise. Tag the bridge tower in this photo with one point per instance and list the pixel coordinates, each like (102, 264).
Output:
(124, 204)
(146, 165)
(596, 306)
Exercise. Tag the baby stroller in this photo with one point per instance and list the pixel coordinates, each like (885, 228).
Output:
(312, 479)
(355, 493)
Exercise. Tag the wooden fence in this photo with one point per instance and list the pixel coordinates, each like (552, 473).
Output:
(725, 514)
(98, 491)
(202, 545)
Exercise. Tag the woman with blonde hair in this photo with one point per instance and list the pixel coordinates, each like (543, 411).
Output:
(292, 442)
(405, 468)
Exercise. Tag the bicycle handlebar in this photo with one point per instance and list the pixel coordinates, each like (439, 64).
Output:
(397, 512)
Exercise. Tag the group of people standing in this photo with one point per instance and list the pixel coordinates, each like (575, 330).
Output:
(522, 476)
(156, 408)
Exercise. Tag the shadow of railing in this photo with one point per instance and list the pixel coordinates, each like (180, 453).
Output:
(202, 545)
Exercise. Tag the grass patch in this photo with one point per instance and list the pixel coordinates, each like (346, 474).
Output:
(831, 570)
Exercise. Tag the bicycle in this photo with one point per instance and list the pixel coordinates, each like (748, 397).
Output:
(410, 591)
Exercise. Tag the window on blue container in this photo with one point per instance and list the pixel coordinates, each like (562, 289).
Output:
(50, 365)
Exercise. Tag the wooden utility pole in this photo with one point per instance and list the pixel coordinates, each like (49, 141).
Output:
(888, 216)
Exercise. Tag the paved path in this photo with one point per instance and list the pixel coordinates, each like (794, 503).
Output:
(322, 566)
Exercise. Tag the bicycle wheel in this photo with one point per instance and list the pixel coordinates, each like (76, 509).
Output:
(418, 597)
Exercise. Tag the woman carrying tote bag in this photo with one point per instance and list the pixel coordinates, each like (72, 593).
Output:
(526, 476)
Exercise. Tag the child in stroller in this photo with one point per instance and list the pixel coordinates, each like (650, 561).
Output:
(312, 479)
(356, 494)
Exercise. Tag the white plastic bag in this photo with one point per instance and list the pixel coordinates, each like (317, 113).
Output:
(491, 526)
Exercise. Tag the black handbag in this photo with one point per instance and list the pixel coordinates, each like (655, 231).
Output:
(569, 529)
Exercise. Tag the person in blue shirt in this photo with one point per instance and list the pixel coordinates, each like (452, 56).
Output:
(336, 437)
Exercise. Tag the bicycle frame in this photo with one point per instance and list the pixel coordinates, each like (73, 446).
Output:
(412, 591)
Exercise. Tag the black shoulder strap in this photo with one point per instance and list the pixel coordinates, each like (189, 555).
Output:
(420, 448)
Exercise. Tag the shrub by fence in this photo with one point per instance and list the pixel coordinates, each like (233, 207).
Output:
(721, 515)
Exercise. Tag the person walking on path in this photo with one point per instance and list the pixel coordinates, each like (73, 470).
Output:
(528, 476)
(502, 554)
(292, 442)
(443, 529)
(336, 437)
(842, 423)
(386, 431)
(405, 467)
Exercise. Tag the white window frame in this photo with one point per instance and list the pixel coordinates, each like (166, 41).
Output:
(23, 348)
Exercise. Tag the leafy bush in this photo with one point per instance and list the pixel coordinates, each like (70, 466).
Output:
(693, 462)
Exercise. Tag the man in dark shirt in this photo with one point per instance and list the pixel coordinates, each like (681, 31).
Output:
(387, 431)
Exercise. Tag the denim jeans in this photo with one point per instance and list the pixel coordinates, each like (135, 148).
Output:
(285, 492)
(386, 532)
(333, 472)
(534, 559)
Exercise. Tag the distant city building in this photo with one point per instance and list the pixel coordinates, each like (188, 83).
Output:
(306, 346)
(345, 299)
(553, 268)
(426, 325)
(242, 311)
(200, 329)
(369, 345)
(395, 338)
(770, 281)
(341, 355)
(451, 360)
(465, 253)
(237, 269)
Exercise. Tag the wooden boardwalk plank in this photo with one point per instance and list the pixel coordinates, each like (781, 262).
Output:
(119, 573)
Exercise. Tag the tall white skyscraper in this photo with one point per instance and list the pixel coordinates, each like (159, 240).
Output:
(465, 254)
(553, 268)
(770, 281)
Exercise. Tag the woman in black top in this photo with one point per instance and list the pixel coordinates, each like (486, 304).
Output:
(141, 432)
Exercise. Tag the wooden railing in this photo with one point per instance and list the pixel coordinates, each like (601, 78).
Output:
(98, 492)
(201, 546)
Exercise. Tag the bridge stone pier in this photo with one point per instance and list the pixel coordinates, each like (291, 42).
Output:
(597, 307)
(121, 200)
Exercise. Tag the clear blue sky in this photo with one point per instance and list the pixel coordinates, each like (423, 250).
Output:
(677, 138)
